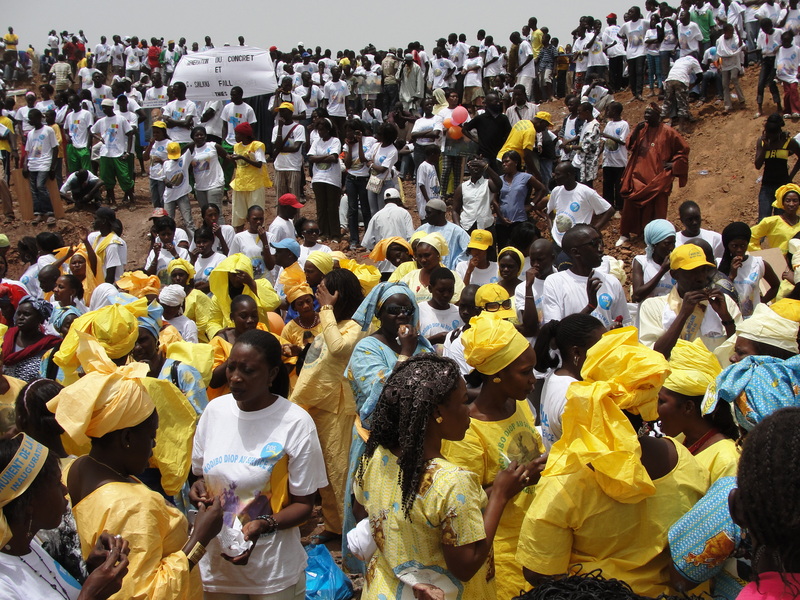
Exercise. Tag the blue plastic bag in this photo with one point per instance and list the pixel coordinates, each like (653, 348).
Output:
(324, 579)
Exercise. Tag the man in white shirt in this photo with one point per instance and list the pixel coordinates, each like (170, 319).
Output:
(133, 60)
(689, 214)
(685, 72)
(694, 308)
(526, 71)
(118, 56)
(115, 133)
(582, 288)
(102, 55)
(288, 138)
(114, 255)
(77, 133)
(99, 91)
(282, 227)
(335, 99)
(633, 31)
(572, 203)
(157, 91)
(393, 220)
(615, 50)
(311, 94)
(38, 164)
(180, 115)
(82, 186)
(235, 112)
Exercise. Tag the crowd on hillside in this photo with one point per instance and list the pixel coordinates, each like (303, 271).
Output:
(479, 400)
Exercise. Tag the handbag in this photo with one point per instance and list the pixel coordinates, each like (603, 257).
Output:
(374, 184)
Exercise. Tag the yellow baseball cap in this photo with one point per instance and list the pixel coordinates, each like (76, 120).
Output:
(543, 116)
(687, 258)
(160, 124)
(494, 298)
(480, 239)
(173, 150)
(286, 105)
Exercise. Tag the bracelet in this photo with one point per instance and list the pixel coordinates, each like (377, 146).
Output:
(728, 322)
(592, 306)
(272, 524)
(197, 552)
(528, 296)
(326, 307)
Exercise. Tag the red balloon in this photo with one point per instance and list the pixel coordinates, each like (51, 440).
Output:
(460, 115)
(455, 133)
(448, 123)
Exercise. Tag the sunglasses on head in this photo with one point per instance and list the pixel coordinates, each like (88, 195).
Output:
(396, 309)
(495, 306)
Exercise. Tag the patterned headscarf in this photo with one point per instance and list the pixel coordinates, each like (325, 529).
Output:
(43, 307)
(369, 308)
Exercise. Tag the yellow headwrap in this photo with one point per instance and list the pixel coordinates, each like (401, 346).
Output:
(379, 251)
(218, 280)
(322, 260)
(417, 235)
(782, 191)
(367, 275)
(181, 263)
(114, 327)
(437, 241)
(693, 368)
(109, 398)
(298, 291)
(200, 356)
(519, 255)
(768, 327)
(338, 256)
(18, 476)
(491, 344)
(788, 309)
(138, 284)
(619, 374)
(91, 281)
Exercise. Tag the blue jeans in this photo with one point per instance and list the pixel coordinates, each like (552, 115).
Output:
(41, 197)
(713, 78)
(357, 197)
(654, 71)
(376, 199)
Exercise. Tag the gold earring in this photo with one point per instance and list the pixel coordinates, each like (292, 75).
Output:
(439, 419)
(496, 380)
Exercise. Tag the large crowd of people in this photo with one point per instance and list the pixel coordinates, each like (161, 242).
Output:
(479, 401)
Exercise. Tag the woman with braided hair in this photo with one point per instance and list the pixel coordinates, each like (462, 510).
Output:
(768, 471)
(424, 511)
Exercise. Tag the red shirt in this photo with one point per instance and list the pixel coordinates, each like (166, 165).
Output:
(70, 51)
(153, 52)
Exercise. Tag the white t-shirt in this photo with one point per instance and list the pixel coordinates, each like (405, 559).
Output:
(565, 294)
(214, 124)
(116, 254)
(554, 399)
(473, 78)
(133, 59)
(769, 43)
(597, 58)
(787, 62)
(114, 133)
(357, 168)
(289, 161)
(670, 41)
(634, 31)
(159, 150)
(454, 348)
(433, 321)
(281, 229)
(765, 11)
(185, 326)
(747, 281)
(493, 69)
(35, 575)
(439, 70)
(155, 93)
(314, 97)
(39, 148)
(70, 181)
(206, 168)
(335, 93)
(117, 55)
(180, 110)
(251, 246)
(86, 74)
(98, 95)
(330, 173)
(651, 42)
(425, 123)
(102, 52)
(203, 266)
(689, 38)
(610, 35)
(171, 169)
(236, 452)
(164, 258)
(426, 175)
(574, 207)
(618, 157)
(538, 297)
(649, 270)
(235, 114)
(712, 237)
(479, 276)
(78, 124)
(306, 250)
(384, 156)
(525, 51)
(684, 70)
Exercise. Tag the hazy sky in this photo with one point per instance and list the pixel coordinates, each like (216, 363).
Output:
(284, 24)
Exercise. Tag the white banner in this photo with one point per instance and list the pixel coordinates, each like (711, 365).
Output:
(210, 75)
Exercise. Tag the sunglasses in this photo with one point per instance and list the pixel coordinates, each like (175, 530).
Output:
(396, 309)
(495, 306)
(312, 231)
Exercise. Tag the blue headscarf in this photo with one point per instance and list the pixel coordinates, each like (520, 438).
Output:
(60, 315)
(757, 386)
(657, 231)
(43, 307)
(372, 303)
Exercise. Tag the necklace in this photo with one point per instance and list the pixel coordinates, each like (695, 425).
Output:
(60, 589)
(314, 323)
(694, 448)
(117, 473)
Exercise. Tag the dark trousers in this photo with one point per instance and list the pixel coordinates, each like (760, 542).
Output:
(612, 178)
(327, 198)
(561, 84)
(356, 188)
(636, 74)
(767, 77)
(616, 66)
(391, 96)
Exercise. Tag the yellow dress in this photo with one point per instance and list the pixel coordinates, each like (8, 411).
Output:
(721, 459)
(446, 511)
(573, 522)
(489, 447)
(198, 308)
(777, 231)
(403, 270)
(328, 398)
(220, 310)
(157, 532)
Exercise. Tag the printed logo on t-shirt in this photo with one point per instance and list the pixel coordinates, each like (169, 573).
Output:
(574, 206)
(604, 301)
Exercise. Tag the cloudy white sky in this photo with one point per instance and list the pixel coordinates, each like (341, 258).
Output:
(334, 25)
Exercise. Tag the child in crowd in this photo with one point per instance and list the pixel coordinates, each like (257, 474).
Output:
(615, 153)
(437, 316)
(427, 179)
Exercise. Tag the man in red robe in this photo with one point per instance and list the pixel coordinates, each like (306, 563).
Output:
(658, 154)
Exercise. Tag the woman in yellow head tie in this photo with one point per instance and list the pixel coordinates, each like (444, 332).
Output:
(328, 397)
(197, 305)
(389, 254)
(32, 499)
(779, 229)
(608, 497)
(502, 430)
(139, 284)
(317, 265)
(510, 264)
(407, 265)
(710, 438)
(428, 255)
(232, 277)
(111, 408)
(301, 330)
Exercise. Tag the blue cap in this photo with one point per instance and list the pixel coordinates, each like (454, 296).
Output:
(288, 244)
(305, 54)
